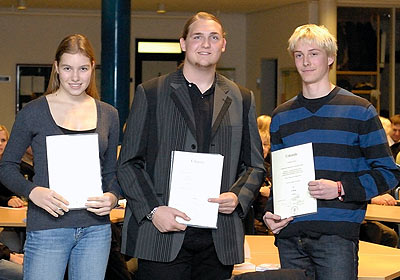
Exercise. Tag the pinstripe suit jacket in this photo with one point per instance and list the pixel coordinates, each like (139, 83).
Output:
(162, 120)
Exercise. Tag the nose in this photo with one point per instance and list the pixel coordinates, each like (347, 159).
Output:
(75, 75)
(306, 61)
(206, 43)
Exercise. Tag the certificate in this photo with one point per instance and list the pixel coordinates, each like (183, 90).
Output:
(194, 178)
(292, 169)
(74, 167)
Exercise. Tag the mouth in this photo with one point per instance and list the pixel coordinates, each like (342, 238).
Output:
(75, 85)
(203, 53)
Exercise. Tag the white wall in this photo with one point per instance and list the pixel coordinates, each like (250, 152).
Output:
(267, 36)
(31, 37)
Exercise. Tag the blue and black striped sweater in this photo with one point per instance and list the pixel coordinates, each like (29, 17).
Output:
(349, 145)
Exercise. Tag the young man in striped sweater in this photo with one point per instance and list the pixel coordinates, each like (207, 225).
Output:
(351, 157)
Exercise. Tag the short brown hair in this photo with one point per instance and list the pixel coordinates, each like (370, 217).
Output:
(395, 119)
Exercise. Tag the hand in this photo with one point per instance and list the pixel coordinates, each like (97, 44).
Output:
(384, 199)
(275, 223)
(17, 258)
(49, 200)
(227, 202)
(323, 189)
(15, 202)
(265, 191)
(164, 219)
(102, 205)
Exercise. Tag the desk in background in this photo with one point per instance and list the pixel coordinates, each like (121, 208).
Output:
(375, 261)
(383, 213)
(12, 217)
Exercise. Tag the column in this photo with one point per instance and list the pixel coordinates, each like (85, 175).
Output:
(115, 55)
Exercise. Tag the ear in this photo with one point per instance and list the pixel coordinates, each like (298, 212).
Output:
(56, 67)
(331, 60)
(182, 42)
(224, 45)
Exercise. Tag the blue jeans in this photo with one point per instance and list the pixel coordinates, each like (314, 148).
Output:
(329, 257)
(85, 250)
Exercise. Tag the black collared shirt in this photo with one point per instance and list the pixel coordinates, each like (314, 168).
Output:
(203, 104)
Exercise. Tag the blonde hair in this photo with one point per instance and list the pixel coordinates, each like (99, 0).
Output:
(263, 123)
(387, 125)
(312, 33)
(73, 44)
(3, 128)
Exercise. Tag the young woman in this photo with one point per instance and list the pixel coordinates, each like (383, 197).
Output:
(57, 236)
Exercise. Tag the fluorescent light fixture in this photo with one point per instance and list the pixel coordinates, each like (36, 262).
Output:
(21, 5)
(159, 47)
(161, 8)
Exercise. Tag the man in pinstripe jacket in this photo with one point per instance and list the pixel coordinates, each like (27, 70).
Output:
(194, 110)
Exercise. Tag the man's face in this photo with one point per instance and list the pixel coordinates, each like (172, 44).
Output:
(204, 44)
(312, 62)
(395, 134)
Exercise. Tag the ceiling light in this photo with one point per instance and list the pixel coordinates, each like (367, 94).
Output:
(21, 5)
(161, 8)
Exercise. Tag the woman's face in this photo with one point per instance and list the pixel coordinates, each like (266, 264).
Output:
(266, 145)
(74, 71)
(3, 142)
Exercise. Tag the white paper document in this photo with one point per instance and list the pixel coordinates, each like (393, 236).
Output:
(194, 178)
(74, 167)
(292, 169)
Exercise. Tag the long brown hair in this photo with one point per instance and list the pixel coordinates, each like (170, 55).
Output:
(72, 44)
(196, 17)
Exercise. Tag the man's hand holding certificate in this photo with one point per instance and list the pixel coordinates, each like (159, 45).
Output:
(292, 170)
(194, 178)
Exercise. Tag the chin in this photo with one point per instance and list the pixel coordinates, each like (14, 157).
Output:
(205, 65)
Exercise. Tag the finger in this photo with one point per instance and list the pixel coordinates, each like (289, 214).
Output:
(95, 204)
(97, 198)
(50, 211)
(182, 215)
(60, 198)
(59, 205)
(270, 215)
(214, 200)
(58, 209)
(179, 227)
(18, 202)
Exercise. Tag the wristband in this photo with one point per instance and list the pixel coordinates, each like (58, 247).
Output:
(339, 190)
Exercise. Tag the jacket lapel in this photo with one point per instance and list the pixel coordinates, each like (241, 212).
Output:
(180, 96)
(221, 104)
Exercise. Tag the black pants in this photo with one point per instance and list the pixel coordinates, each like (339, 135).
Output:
(197, 259)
